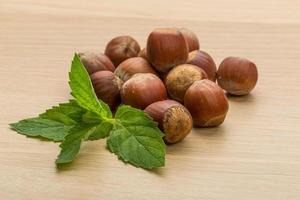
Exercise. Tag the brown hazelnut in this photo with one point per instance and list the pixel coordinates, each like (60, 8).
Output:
(180, 78)
(121, 48)
(172, 118)
(166, 48)
(143, 54)
(131, 66)
(207, 103)
(204, 61)
(94, 62)
(238, 76)
(143, 89)
(107, 87)
(191, 39)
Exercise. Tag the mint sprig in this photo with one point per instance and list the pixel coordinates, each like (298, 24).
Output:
(132, 134)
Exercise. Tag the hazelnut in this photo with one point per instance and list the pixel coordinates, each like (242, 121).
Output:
(166, 48)
(94, 62)
(204, 61)
(207, 103)
(107, 87)
(180, 78)
(191, 39)
(143, 54)
(133, 66)
(238, 76)
(172, 118)
(121, 48)
(143, 89)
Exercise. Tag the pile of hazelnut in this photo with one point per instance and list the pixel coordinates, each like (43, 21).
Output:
(171, 80)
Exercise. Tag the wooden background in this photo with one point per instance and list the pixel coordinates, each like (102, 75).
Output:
(255, 154)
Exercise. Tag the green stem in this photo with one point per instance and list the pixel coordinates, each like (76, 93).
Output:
(110, 120)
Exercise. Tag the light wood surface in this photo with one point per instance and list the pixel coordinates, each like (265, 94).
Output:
(255, 154)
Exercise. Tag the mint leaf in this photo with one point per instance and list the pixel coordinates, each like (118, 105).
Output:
(83, 91)
(72, 142)
(132, 116)
(136, 139)
(39, 127)
(101, 131)
(55, 123)
(68, 113)
(90, 118)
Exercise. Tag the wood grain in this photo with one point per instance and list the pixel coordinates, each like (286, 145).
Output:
(255, 154)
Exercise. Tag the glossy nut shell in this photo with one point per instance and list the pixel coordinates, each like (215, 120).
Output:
(166, 48)
(238, 76)
(191, 39)
(133, 66)
(94, 62)
(107, 87)
(143, 89)
(121, 48)
(205, 62)
(207, 103)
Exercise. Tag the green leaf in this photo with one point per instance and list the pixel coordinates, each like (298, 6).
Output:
(45, 128)
(68, 113)
(132, 116)
(101, 131)
(83, 91)
(91, 118)
(136, 139)
(72, 142)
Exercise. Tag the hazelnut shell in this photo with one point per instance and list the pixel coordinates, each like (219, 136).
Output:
(204, 61)
(132, 66)
(180, 78)
(207, 103)
(238, 76)
(143, 89)
(121, 48)
(191, 39)
(173, 119)
(166, 48)
(107, 87)
(94, 62)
